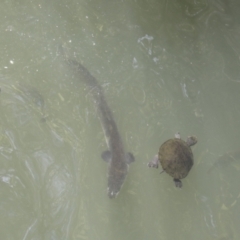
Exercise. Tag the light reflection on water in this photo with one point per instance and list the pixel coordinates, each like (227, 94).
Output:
(165, 66)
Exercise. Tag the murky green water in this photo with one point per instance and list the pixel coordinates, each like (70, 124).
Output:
(165, 66)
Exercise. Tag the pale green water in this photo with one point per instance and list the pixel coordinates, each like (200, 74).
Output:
(166, 66)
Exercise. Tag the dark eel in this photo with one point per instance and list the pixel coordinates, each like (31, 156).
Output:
(118, 160)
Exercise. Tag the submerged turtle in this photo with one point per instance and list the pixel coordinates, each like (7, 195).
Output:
(176, 157)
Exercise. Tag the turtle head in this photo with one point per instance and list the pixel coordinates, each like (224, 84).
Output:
(191, 140)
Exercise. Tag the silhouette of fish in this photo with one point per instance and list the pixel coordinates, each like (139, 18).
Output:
(118, 160)
(225, 160)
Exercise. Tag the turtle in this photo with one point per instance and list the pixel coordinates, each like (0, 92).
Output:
(176, 158)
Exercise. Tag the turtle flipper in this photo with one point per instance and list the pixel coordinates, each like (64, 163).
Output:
(154, 162)
(177, 182)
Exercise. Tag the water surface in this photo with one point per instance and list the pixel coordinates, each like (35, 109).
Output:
(165, 66)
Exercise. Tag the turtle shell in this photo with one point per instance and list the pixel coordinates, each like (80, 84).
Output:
(176, 158)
